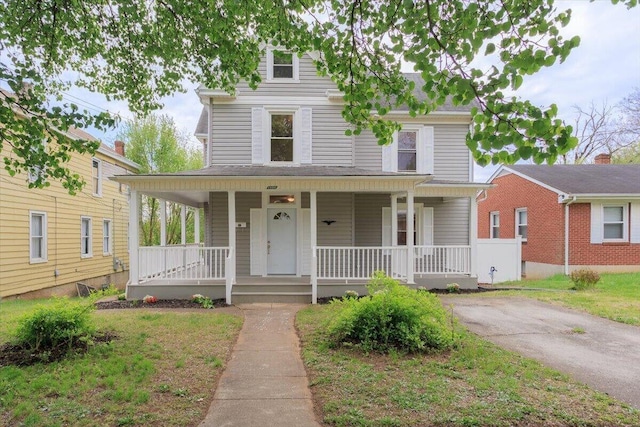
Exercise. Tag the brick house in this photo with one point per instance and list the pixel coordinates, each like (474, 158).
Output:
(569, 216)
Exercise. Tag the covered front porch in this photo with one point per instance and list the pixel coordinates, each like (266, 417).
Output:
(300, 238)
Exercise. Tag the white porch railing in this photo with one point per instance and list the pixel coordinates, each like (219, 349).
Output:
(189, 262)
(442, 259)
(353, 263)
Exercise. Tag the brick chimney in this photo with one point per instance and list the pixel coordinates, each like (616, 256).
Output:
(603, 159)
(119, 147)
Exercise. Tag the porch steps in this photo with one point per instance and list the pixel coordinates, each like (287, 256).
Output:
(271, 292)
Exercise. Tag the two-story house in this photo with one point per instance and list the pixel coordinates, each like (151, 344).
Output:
(295, 207)
(50, 240)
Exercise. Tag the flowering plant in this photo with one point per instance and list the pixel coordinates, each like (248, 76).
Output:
(149, 299)
(205, 302)
(453, 288)
(351, 294)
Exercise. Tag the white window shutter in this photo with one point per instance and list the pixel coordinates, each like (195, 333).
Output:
(390, 156)
(270, 64)
(634, 220)
(257, 136)
(386, 226)
(427, 226)
(306, 127)
(306, 242)
(255, 229)
(425, 151)
(596, 223)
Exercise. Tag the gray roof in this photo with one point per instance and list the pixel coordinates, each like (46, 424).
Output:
(202, 128)
(585, 179)
(422, 96)
(279, 171)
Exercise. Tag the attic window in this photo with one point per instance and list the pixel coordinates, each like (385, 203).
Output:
(282, 66)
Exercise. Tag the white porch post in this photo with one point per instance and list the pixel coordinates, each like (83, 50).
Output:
(196, 225)
(394, 220)
(473, 236)
(232, 243)
(183, 224)
(163, 222)
(313, 207)
(134, 236)
(410, 242)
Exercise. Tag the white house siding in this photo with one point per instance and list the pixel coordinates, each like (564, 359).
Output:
(451, 222)
(451, 153)
(231, 134)
(368, 154)
(368, 218)
(339, 208)
(330, 146)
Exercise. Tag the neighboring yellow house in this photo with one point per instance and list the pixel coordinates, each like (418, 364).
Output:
(50, 240)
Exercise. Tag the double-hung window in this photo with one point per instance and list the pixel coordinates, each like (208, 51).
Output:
(522, 223)
(412, 150)
(106, 237)
(85, 237)
(614, 223)
(96, 176)
(407, 150)
(37, 237)
(282, 65)
(494, 219)
(282, 139)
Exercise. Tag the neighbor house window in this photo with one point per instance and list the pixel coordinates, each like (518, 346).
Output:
(521, 223)
(402, 228)
(614, 222)
(106, 237)
(494, 218)
(407, 150)
(282, 65)
(37, 171)
(96, 176)
(85, 237)
(281, 137)
(37, 237)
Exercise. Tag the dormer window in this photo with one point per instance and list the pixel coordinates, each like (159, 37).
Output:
(282, 66)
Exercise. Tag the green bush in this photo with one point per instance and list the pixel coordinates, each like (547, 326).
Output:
(584, 279)
(392, 317)
(60, 324)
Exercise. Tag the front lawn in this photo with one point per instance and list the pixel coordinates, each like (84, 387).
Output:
(162, 370)
(615, 297)
(476, 384)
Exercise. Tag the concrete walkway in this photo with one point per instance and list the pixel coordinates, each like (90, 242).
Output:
(265, 383)
(599, 352)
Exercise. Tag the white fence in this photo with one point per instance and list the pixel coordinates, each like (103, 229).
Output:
(351, 263)
(499, 260)
(190, 262)
(442, 260)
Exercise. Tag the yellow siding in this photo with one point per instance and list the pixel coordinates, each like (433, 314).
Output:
(17, 274)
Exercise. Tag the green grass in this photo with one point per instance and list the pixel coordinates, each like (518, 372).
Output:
(476, 384)
(615, 296)
(161, 371)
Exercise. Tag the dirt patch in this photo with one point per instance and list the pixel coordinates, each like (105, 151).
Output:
(22, 355)
(163, 303)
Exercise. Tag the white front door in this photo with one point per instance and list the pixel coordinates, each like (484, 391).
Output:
(281, 241)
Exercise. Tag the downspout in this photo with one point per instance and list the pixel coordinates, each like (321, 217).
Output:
(566, 235)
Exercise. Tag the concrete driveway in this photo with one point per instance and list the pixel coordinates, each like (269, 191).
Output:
(606, 356)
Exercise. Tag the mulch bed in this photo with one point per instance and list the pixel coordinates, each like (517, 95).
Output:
(162, 303)
(20, 355)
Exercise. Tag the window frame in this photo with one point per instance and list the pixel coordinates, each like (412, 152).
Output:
(43, 241)
(624, 222)
(417, 148)
(494, 225)
(295, 63)
(89, 237)
(296, 136)
(35, 172)
(518, 224)
(107, 238)
(96, 181)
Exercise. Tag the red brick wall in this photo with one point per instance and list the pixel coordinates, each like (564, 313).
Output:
(582, 252)
(545, 217)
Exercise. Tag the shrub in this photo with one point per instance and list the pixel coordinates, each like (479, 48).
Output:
(149, 299)
(351, 294)
(60, 324)
(453, 288)
(205, 302)
(122, 297)
(392, 317)
(584, 279)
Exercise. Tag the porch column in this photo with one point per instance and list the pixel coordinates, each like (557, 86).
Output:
(313, 207)
(163, 222)
(394, 220)
(196, 225)
(473, 236)
(410, 242)
(183, 224)
(232, 233)
(134, 236)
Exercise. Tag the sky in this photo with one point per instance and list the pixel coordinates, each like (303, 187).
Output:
(604, 68)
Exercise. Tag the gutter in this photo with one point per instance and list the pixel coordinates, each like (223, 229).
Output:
(566, 235)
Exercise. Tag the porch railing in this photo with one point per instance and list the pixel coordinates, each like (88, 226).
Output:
(353, 263)
(189, 262)
(442, 260)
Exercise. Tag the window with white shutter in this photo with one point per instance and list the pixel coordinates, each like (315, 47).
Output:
(411, 150)
(281, 136)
